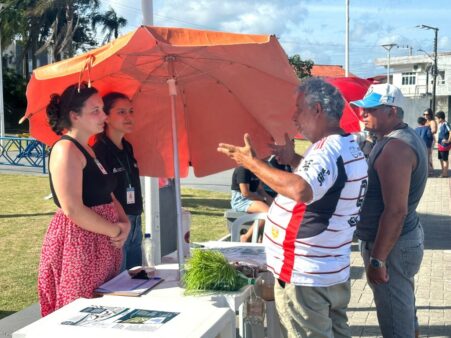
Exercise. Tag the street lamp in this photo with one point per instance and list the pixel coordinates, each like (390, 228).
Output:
(388, 47)
(435, 71)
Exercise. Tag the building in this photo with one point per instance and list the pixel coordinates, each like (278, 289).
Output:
(329, 70)
(13, 58)
(413, 75)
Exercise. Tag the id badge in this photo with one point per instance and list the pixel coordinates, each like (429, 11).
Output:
(130, 195)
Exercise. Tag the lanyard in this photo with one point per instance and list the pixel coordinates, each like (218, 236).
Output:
(128, 169)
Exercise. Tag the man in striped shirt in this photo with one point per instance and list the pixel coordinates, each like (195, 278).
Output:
(310, 224)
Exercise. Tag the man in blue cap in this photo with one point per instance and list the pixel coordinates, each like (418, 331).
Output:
(389, 228)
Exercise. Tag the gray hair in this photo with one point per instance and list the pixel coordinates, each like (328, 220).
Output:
(316, 90)
(399, 113)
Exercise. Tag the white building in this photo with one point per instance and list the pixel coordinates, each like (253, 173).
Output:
(413, 75)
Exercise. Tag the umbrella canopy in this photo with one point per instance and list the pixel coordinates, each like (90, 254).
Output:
(227, 84)
(351, 88)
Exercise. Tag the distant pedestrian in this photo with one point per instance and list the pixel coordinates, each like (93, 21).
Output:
(443, 142)
(429, 116)
(365, 140)
(424, 131)
(389, 228)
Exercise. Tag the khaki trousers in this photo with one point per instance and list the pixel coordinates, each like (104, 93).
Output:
(318, 312)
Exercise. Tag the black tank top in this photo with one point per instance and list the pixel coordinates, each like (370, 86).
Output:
(98, 184)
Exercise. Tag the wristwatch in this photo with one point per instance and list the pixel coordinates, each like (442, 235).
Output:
(376, 263)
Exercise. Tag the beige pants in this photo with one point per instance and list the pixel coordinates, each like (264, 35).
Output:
(318, 312)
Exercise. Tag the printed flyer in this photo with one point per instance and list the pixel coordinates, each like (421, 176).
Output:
(120, 318)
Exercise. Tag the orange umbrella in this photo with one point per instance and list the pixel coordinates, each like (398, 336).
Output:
(190, 90)
(226, 85)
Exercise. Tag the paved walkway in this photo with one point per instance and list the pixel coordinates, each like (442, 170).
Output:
(433, 282)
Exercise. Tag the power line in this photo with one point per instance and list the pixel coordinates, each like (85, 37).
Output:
(161, 16)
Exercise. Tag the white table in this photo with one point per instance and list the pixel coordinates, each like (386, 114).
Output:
(196, 319)
(170, 288)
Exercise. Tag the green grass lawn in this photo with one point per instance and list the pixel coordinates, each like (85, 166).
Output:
(25, 215)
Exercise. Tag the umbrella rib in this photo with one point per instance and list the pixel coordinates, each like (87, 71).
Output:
(182, 56)
(241, 64)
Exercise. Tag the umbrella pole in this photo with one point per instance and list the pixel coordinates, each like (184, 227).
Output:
(178, 195)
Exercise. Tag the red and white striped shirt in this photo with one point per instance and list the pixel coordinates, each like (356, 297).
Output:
(310, 243)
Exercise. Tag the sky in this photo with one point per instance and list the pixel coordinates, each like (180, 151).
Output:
(314, 29)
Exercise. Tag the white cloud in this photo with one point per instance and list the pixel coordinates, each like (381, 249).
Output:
(444, 43)
(254, 16)
(312, 28)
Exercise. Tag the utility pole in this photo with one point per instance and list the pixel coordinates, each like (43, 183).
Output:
(434, 69)
(151, 186)
(147, 11)
(410, 48)
(434, 87)
(388, 47)
(347, 40)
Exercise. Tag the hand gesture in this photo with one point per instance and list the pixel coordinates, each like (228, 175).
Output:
(241, 155)
(284, 152)
(119, 240)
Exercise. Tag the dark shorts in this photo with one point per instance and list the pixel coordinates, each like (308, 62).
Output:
(443, 155)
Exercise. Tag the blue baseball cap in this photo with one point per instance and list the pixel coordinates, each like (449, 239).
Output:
(381, 94)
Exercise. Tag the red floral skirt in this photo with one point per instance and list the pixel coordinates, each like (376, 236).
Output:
(74, 261)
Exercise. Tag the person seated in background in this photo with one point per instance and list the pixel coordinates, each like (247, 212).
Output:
(424, 131)
(272, 161)
(248, 196)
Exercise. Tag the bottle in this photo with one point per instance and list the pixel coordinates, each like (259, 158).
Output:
(254, 316)
(147, 251)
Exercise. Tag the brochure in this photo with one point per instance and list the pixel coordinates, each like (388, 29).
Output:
(122, 318)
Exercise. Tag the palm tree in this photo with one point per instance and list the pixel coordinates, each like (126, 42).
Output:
(111, 24)
(61, 27)
(64, 23)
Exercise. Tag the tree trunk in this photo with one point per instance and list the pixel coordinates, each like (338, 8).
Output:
(34, 62)
(26, 68)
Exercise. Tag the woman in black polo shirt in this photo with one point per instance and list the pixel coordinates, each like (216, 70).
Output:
(117, 154)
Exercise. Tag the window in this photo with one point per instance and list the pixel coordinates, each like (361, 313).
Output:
(441, 77)
(408, 78)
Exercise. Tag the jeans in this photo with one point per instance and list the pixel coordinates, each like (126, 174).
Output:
(395, 300)
(132, 247)
(239, 202)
